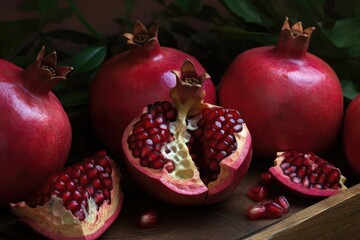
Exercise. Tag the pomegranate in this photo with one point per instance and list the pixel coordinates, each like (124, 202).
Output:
(351, 136)
(306, 174)
(290, 98)
(188, 152)
(80, 202)
(127, 82)
(35, 132)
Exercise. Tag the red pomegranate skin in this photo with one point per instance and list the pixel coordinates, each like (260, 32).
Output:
(289, 98)
(129, 81)
(351, 135)
(35, 132)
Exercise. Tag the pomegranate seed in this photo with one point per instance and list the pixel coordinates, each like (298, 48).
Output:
(148, 219)
(257, 193)
(266, 179)
(334, 177)
(256, 212)
(282, 202)
(273, 210)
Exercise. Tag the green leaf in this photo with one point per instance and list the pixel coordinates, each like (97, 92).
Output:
(349, 88)
(73, 36)
(47, 9)
(244, 9)
(89, 58)
(74, 98)
(14, 34)
(238, 34)
(347, 8)
(346, 33)
(189, 6)
(29, 5)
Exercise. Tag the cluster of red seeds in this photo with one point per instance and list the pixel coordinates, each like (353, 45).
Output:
(90, 178)
(310, 170)
(214, 140)
(150, 134)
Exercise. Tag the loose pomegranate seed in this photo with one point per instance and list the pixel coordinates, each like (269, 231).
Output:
(256, 212)
(266, 179)
(257, 193)
(273, 210)
(282, 202)
(148, 219)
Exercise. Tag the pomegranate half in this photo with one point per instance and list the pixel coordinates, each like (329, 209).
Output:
(306, 174)
(35, 131)
(129, 81)
(81, 202)
(351, 135)
(289, 98)
(188, 152)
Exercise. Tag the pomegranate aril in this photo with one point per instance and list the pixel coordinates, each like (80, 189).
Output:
(266, 179)
(257, 193)
(60, 186)
(321, 179)
(282, 202)
(273, 210)
(148, 219)
(73, 206)
(256, 212)
(334, 177)
(301, 172)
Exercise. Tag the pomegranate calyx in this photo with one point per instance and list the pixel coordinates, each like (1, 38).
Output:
(296, 30)
(293, 41)
(141, 35)
(44, 68)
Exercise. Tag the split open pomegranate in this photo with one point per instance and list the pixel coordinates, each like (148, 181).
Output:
(80, 202)
(307, 174)
(188, 152)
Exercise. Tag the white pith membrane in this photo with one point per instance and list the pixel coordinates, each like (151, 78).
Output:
(188, 98)
(311, 191)
(53, 220)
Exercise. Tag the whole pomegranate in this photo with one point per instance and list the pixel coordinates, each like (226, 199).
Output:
(351, 134)
(80, 202)
(35, 132)
(187, 152)
(127, 82)
(291, 99)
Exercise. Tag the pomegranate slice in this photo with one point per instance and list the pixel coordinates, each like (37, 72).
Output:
(307, 174)
(80, 202)
(188, 152)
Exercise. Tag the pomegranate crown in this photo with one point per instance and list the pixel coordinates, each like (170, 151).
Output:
(47, 66)
(43, 74)
(141, 35)
(188, 88)
(297, 30)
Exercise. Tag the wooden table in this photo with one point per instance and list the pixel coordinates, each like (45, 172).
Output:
(336, 217)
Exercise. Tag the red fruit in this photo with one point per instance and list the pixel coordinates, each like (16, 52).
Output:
(266, 179)
(306, 174)
(80, 202)
(282, 202)
(290, 98)
(273, 210)
(35, 132)
(351, 136)
(148, 219)
(257, 193)
(256, 212)
(188, 152)
(131, 80)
